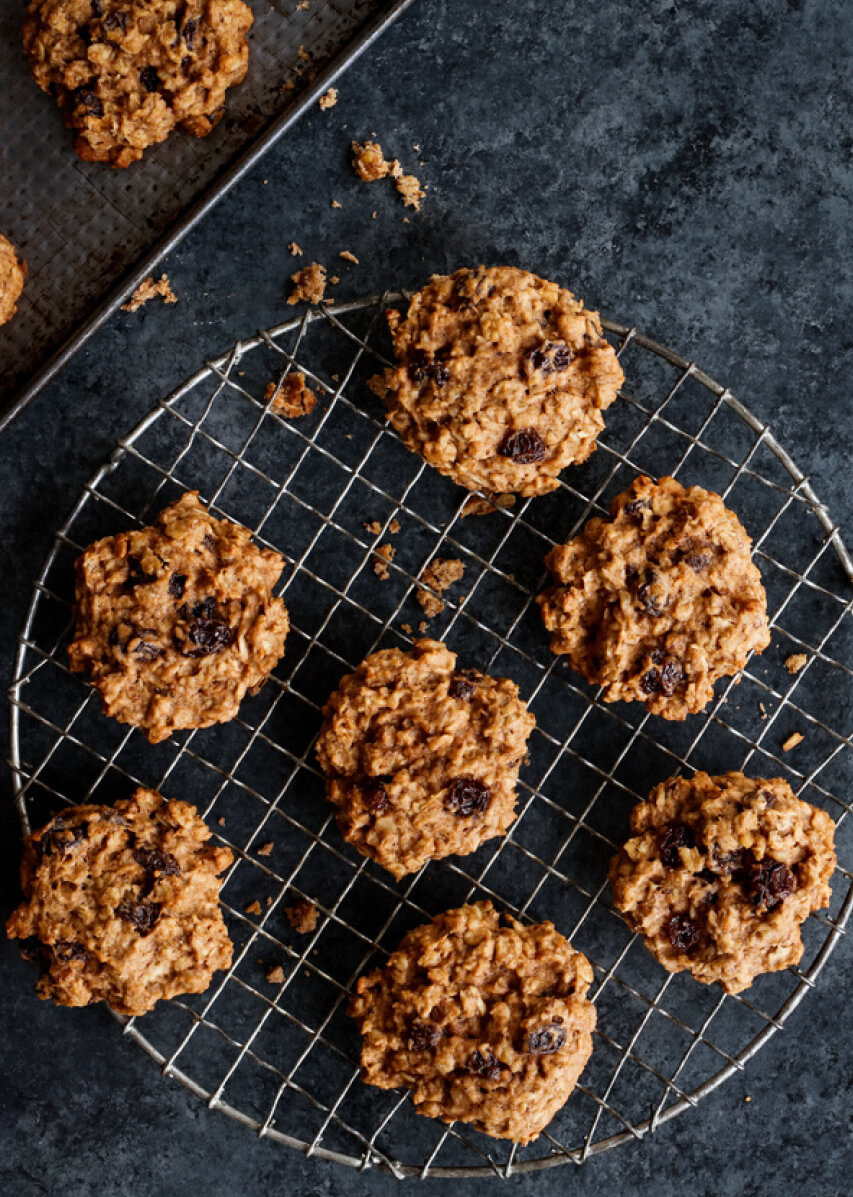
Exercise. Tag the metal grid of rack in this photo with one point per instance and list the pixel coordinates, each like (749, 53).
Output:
(280, 1055)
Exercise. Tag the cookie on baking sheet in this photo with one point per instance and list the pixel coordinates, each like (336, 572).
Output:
(12, 275)
(720, 873)
(126, 72)
(121, 904)
(485, 1019)
(501, 379)
(658, 601)
(421, 758)
(177, 621)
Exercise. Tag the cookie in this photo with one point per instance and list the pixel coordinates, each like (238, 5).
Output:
(121, 904)
(126, 72)
(658, 602)
(501, 379)
(176, 622)
(720, 873)
(485, 1019)
(421, 759)
(12, 275)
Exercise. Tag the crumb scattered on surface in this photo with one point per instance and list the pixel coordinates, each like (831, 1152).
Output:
(369, 163)
(796, 662)
(334, 279)
(302, 916)
(407, 628)
(430, 603)
(763, 710)
(295, 248)
(309, 284)
(276, 975)
(747, 1098)
(266, 849)
(148, 289)
(373, 527)
(253, 908)
(422, 627)
(439, 574)
(292, 398)
(477, 506)
(383, 554)
(793, 740)
(303, 55)
(350, 257)
(221, 820)
(303, 5)
(329, 99)
(394, 527)
(412, 192)
(335, 204)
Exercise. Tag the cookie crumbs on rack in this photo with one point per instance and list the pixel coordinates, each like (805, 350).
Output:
(148, 289)
(394, 527)
(763, 710)
(793, 740)
(384, 553)
(439, 574)
(295, 248)
(422, 627)
(275, 976)
(477, 506)
(329, 99)
(291, 398)
(796, 662)
(348, 256)
(373, 527)
(408, 629)
(302, 916)
(254, 907)
(221, 820)
(266, 849)
(309, 284)
(411, 190)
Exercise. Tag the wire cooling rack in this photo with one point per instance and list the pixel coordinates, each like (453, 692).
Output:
(274, 1049)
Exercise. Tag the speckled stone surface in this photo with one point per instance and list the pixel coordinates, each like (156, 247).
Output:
(687, 167)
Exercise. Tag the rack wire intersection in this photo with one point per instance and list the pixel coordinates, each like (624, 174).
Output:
(280, 1056)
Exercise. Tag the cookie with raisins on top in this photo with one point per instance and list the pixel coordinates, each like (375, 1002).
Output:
(659, 601)
(485, 1019)
(720, 873)
(177, 622)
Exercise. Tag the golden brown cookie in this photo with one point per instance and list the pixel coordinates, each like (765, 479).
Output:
(121, 904)
(485, 1019)
(177, 621)
(658, 602)
(126, 72)
(12, 275)
(720, 873)
(421, 759)
(501, 379)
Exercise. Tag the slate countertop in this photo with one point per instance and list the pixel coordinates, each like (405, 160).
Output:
(688, 168)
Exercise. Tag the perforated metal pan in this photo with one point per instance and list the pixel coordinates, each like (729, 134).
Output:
(90, 234)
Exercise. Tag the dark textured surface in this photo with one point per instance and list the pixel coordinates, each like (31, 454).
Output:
(689, 172)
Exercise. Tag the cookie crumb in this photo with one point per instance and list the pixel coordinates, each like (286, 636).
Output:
(373, 527)
(329, 99)
(369, 162)
(148, 289)
(253, 907)
(292, 398)
(408, 629)
(309, 284)
(383, 554)
(266, 849)
(276, 975)
(793, 740)
(763, 710)
(394, 527)
(747, 1098)
(441, 573)
(295, 248)
(302, 916)
(335, 204)
(303, 55)
(796, 662)
(221, 820)
(411, 190)
(348, 256)
(485, 506)
(303, 5)
(430, 604)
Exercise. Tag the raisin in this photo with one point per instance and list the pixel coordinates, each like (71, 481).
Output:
(649, 682)
(141, 915)
(186, 63)
(523, 447)
(731, 862)
(550, 358)
(149, 78)
(57, 837)
(698, 561)
(485, 1065)
(146, 651)
(208, 636)
(69, 950)
(189, 31)
(112, 639)
(84, 97)
(205, 609)
(375, 798)
(423, 1037)
(464, 683)
(96, 8)
(545, 1041)
(634, 510)
(467, 796)
(649, 601)
(136, 575)
(677, 835)
(769, 884)
(177, 582)
(683, 933)
(427, 367)
(115, 20)
(769, 797)
(671, 677)
(154, 861)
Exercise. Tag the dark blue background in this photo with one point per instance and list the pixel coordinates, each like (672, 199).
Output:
(685, 166)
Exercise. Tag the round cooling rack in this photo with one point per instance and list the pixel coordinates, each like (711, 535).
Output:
(270, 1043)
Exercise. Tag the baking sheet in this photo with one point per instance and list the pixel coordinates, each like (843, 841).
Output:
(82, 226)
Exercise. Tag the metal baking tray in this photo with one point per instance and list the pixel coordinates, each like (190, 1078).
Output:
(89, 234)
